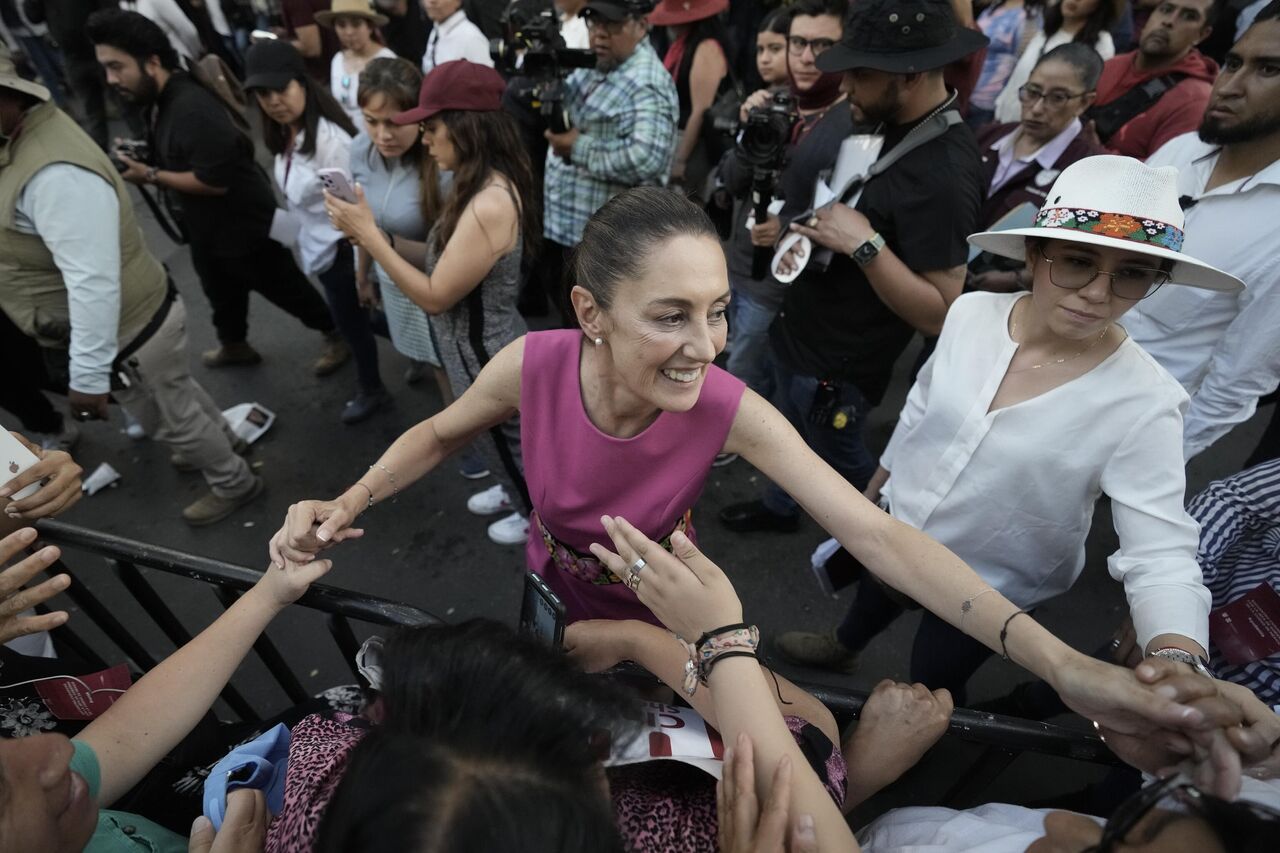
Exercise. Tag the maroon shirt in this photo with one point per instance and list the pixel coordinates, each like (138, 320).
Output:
(302, 13)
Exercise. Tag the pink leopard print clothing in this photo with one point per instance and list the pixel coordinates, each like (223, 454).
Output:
(318, 756)
(669, 807)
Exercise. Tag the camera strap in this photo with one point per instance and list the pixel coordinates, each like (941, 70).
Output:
(919, 135)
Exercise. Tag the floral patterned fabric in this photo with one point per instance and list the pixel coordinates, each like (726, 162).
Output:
(1119, 226)
(585, 567)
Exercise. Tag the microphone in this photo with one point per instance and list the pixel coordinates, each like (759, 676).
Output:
(1186, 202)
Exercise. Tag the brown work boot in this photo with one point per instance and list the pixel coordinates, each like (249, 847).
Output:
(231, 355)
(336, 353)
(211, 509)
(238, 446)
(818, 651)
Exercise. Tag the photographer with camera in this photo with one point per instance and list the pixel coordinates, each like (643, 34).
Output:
(899, 252)
(204, 163)
(623, 113)
(788, 138)
(76, 276)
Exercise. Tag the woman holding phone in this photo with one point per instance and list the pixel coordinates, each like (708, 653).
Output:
(307, 130)
(467, 273)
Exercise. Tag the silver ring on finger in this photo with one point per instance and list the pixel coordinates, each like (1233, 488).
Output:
(1115, 644)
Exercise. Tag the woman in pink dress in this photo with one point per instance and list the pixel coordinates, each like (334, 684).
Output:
(626, 417)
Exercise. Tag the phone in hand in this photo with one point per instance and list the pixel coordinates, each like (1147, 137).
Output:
(14, 459)
(338, 182)
(542, 612)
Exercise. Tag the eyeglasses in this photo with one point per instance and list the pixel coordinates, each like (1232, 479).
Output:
(797, 44)
(1074, 272)
(595, 22)
(1030, 93)
(1131, 812)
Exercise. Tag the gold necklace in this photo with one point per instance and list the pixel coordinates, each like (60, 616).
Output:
(1013, 334)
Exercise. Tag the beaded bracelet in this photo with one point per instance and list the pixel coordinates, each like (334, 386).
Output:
(391, 478)
(367, 489)
(730, 641)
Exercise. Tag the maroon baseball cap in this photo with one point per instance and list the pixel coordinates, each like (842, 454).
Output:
(456, 85)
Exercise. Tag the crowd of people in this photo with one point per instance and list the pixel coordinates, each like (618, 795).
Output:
(729, 223)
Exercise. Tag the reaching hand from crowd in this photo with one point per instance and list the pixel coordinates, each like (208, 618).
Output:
(598, 644)
(747, 827)
(14, 599)
(686, 591)
(1124, 645)
(61, 489)
(898, 725)
(309, 528)
(244, 829)
(841, 229)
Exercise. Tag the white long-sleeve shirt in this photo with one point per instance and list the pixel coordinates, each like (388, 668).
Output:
(456, 37)
(168, 15)
(304, 195)
(86, 249)
(1223, 347)
(1012, 492)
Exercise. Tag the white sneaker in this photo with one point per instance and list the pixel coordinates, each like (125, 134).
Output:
(491, 501)
(512, 530)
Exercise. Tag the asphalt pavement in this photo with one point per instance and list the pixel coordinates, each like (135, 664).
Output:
(426, 549)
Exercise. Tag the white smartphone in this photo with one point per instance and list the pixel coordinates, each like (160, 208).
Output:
(338, 182)
(14, 459)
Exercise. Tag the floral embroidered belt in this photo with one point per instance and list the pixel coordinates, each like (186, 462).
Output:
(585, 567)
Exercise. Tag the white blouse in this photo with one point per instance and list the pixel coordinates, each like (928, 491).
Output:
(345, 87)
(1012, 492)
(297, 178)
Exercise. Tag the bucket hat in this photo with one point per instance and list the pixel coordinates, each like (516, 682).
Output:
(1118, 203)
(456, 85)
(351, 9)
(671, 13)
(10, 79)
(901, 37)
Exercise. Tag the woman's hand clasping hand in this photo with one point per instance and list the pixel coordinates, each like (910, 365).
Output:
(686, 591)
(354, 220)
(309, 528)
(744, 826)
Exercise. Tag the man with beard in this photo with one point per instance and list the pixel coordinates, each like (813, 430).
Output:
(76, 276)
(1150, 95)
(204, 166)
(1225, 348)
(624, 114)
(899, 252)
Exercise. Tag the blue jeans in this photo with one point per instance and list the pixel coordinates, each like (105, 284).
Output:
(750, 356)
(843, 448)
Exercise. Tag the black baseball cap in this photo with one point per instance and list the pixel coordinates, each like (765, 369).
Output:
(617, 10)
(272, 64)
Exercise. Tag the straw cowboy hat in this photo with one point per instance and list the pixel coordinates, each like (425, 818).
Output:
(672, 13)
(9, 78)
(1119, 203)
(351, 9)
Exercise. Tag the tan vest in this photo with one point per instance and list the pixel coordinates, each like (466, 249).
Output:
(32, 292)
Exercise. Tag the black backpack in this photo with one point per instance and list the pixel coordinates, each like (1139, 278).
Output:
(1110, 118)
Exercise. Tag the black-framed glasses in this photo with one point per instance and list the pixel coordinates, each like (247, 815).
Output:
(1073, 272)
(797, 44)
(1131, 812)
(1030, 93)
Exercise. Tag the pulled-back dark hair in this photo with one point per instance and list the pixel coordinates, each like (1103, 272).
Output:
(1106, 13)
(489, 741)
(406, 792)
(621, 235)
(488, 142)
(778, 22)
(814, 8)
(1080, 56)
(132, 33)
(399, 80)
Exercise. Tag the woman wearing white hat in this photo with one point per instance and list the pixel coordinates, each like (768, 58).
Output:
(1035, 405)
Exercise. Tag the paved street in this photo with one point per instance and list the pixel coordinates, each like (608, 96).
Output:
(427, 550)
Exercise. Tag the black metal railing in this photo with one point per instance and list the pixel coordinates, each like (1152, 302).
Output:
(1003, 738)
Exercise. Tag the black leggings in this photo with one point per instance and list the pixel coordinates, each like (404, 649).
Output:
(352, 319)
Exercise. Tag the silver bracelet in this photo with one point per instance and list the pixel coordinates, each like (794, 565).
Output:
(967, 605)
(367, 489)
(391, 478)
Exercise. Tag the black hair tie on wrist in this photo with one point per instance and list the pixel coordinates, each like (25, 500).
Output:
(1004, 632)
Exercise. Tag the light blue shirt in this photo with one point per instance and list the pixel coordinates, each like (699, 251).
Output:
(77, 215)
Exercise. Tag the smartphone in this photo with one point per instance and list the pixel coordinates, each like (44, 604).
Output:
(14, 459)
(338, 182)
(542, 612)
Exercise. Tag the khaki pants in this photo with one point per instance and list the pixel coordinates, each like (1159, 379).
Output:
(174, 409)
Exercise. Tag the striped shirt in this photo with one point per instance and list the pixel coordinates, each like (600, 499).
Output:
(1240, 549)
(626, 119)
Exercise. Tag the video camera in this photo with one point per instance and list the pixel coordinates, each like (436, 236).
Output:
(536, 54)
(763, 141)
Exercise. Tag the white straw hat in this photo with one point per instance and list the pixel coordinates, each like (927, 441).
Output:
(1120, 203)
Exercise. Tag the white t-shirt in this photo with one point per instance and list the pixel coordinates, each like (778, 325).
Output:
(456, 38)
(168, 16)
(346, 87)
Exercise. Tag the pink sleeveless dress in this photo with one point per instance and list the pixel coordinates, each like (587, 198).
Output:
(576, 473)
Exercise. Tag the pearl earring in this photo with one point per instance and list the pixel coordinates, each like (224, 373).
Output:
(598, 341)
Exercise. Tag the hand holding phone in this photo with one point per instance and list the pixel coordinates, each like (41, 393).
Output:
(542, 612)
(339, 183)
(14, 459)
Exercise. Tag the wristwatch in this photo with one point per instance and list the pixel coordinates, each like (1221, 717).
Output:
(1196, 662)
(866, 253)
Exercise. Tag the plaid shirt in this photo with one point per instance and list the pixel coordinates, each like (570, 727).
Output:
(627, 123)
